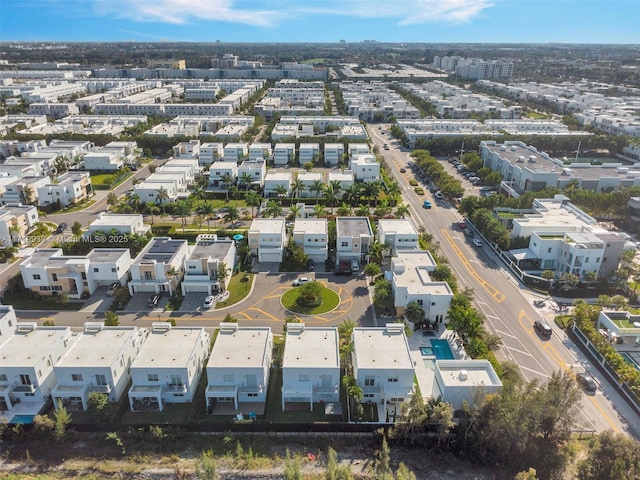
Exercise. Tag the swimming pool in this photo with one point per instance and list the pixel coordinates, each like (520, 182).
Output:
(426, 351)
(23, 419)
(441, 349)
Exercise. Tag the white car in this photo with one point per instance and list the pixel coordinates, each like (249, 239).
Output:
(209, 301)
(300, 281)
(476, 242)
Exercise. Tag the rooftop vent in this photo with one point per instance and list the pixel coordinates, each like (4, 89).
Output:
(295, 328)
(463, 376)
(93, 327)
(394, 328)
(520, 159)
(228, 327)
(160, 327)
(25, 327)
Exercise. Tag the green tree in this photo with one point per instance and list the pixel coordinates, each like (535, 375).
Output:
(318, 187)
(273, 209)
(112, 199)
(111, 319)
(152, 208)
(252, 199)
(226, 180)
(161, 196)
(383, 459)
(402, 210)
(76, 228)
(610, 456)
(231, 215)
(221, 274)
(207, 212)
(98, 406)
(414, 313)
(206, 468)
(183, 210)
(372, 270)
(62, 419)
(382, 293)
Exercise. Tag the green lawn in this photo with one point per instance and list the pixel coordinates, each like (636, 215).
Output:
(623, 323)
(536, 115)
(20, 302)
(77, 207)
(238, 289)
(330, 300)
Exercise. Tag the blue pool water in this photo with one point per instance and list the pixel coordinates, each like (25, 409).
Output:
(23, 419)
(426, 351)
(441, 349)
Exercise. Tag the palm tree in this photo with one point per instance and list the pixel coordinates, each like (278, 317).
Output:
(363, 211)
(402, 210)
(245, 179)
(112, 199)
(337, 187)
(393, 191)
(330, 196)
(222, 273)
(297, 186)
(135, 202)
(226, 179)
(319, 211)
(344, 210)
(231, 215)
(123, 207)
(199, 192)
(161, 196)
(207, 211)
(252, 199)
(317, 186)
(352, 193)
(281, 191)
(382, 293)
(383, 209)
(198, 221)
(183, 210)
(273, 209)
(151, 208)
(294, 212)
(414, 313)
(371, 190)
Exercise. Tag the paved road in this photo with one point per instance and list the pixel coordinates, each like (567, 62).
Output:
(506, 305)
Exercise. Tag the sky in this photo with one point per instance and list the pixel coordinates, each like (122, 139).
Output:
(429, 21)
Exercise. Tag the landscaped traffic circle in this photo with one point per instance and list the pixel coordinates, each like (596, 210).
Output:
(310, 299)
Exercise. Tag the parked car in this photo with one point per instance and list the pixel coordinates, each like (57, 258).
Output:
(209, 301)
(477, 242)
(112, 288)
(61, 227)
(153, 300)
(439, 195)
(462, 225)
(355, 266)
(587, 382)
(300, 281)
(343, 269)
(426, 204)
(543, 328)
(403, 170)
(468, 232)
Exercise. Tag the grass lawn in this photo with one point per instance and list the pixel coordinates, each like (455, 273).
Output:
(238, 289)
(330, 300)
(78, 207)
(20, 302)
(620, 323)
(536, 115)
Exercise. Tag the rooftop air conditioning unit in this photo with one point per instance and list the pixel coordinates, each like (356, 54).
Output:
(464, 375)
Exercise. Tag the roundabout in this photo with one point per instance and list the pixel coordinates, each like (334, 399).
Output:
(310, 299)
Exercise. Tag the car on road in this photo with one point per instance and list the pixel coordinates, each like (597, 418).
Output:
(462, 225)
(112, 288)
(587, 382)
(477, 242)
(439, 195)
(209, 301)
(543, 328)
(61, 227)
(300, 281)
(426, 204)
(403, 170)
(386, 146)
(153, 301)
(468, 232)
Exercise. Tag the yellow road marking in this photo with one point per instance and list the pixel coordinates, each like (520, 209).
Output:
(266, 314)
(493, 291)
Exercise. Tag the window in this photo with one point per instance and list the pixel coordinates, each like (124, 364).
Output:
(420, 302)
(76, 377)
(598, 260)
(604, 260)
(101, 379)
(3, 377)
(303, 378)
(192, 267)
(392, 379)
(227, 378)
(586, 260)
(433, 304)
(252, 380)
(176, 381)
(152, 377)
(549, 250)
(368, 395)
(113, 270)
(252, 394)
(36, 276)
(369, 381)
(344, 244)
(83, 275)
(54, 277)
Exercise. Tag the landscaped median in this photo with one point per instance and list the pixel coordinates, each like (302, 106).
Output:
(310, 298)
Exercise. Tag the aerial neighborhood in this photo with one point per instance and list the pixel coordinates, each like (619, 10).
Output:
(341, 244)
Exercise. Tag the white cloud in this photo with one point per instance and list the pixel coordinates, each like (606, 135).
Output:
(267, 13)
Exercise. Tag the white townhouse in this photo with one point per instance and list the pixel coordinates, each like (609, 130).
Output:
(355, 149)
(183, 173)
(398, 233)
(310, 365)
(251, 173)
(168, 367)
(312, 235)
(21, 190)
(365, 168)
(103, 161)
(202, 265)
(382, 366)
(273, 179)
(236, 152)
(71, 188)
(210, 152)
(149, 191)
(267, 239)
(122, 223)
(27, 359)
(128, 150)
(98, 361)
(194, 168)
(190, 149)
(8, 322)
(284, 154)
(354, 236)
(308, 153)
(344, 179)
(260, 150)
(47, 271)
(16, 221)
(159, 267)
(218, 173)
(309, 180)
(411, 282)
(239, 367)
(160, 178)
(461, 381)
(333, 153)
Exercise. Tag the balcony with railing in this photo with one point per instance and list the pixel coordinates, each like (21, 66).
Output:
(175, 388)
(20, 388)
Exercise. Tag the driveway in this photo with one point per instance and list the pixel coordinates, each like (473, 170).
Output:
(139, 303)
(98, 302)
(194, 302)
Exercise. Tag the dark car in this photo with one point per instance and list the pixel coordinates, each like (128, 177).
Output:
(403, 170)
(61, 227)
(587, 382)
(153, 301)
(543, 328)
(468, 232)
(311, 265)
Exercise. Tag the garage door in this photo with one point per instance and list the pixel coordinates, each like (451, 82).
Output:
(317, 258)
(269, 257)
(201, 288)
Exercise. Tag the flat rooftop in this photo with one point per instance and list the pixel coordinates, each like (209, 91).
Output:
(109, 219)
(415, 277)
(353, 226)
(240, 347)
(267, 225)
(168, 348)
(311, 347)
(278, 176)
(98, 348)
(397, 225)
(161, 249)
(107, 254)
(467, 373)
(211, 248)
(521, 156)
(382, 348)
(25, 348)
(313, 226)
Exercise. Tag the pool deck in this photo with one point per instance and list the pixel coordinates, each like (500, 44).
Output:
(425, 375)
(22, 408)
